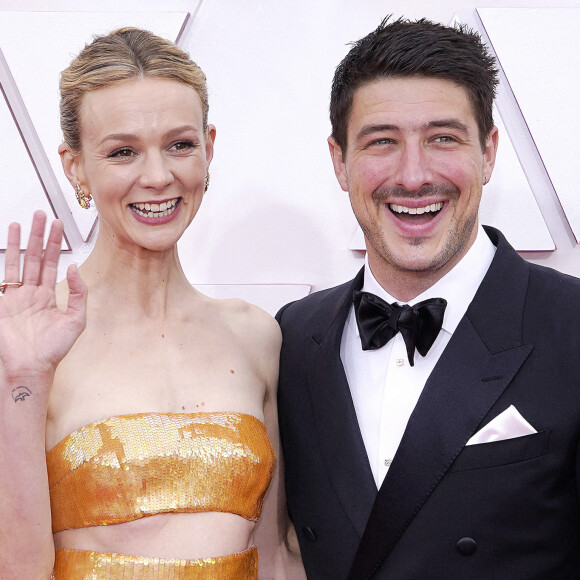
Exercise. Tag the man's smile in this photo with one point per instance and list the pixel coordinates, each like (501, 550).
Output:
(429, 208)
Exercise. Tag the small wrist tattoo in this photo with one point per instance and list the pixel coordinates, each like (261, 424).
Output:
(20, 393)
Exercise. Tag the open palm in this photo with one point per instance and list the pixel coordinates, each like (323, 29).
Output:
(34, 334)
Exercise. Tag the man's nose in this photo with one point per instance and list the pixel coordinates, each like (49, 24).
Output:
(412, 171)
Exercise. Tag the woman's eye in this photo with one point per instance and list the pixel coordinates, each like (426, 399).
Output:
(124, 152)
(182, 146)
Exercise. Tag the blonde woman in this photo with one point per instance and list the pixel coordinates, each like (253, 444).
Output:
(138, 425)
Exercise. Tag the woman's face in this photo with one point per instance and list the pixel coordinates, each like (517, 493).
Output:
(144, 159)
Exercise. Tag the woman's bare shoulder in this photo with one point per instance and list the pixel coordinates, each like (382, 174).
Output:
(249, 320)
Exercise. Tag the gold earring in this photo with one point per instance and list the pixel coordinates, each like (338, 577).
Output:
(206, 181)
(83, 198)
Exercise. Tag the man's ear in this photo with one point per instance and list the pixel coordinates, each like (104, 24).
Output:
(338, 163)
(72, 165)
(490, 152)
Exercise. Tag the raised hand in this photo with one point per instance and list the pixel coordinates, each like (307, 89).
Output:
(34, 334)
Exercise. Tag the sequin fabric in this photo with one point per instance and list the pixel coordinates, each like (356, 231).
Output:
(85, 565)
(133, 466)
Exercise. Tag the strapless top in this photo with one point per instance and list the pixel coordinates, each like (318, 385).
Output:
(128, 467)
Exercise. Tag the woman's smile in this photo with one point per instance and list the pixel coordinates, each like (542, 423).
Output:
(156, 213)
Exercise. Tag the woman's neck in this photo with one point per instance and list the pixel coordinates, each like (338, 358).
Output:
(134, 279)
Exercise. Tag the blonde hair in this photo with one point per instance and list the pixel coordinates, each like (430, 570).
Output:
(127, 53)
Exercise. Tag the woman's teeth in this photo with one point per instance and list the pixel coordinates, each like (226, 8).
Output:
(153, 210)
(434, 207)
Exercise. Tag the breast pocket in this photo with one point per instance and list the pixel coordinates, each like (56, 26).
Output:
(504, 452)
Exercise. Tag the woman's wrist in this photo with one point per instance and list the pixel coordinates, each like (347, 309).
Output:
(17, 375)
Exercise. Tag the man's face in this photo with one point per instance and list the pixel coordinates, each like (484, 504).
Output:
(414, 169)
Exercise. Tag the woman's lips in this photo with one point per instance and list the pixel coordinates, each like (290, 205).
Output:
(155, 210)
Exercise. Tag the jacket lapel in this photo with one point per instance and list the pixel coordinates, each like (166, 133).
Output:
(335, 419)
(475, 368)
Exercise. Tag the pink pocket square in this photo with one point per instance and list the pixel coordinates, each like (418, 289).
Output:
(506, 425)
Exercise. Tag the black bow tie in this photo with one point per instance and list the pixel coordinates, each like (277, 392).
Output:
(379, 321)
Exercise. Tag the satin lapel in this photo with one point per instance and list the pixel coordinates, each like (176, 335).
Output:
(477, 365)
(335, 419)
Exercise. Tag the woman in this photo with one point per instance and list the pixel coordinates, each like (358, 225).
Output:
(158, 420)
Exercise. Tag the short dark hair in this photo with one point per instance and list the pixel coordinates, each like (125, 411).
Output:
(421, 48)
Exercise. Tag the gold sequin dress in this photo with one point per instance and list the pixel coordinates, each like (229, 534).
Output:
(134, 466)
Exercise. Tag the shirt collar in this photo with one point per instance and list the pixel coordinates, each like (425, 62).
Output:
(458, 286)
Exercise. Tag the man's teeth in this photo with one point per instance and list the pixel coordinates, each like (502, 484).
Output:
(416, 210)
(153, 210)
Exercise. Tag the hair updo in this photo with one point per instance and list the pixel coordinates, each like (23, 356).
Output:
(127, 53)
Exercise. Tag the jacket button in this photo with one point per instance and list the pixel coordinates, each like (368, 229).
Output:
(309, 533)
(466, 546)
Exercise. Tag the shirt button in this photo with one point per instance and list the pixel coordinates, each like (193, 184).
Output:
(400, 362)
(388, 462)
(466, 546)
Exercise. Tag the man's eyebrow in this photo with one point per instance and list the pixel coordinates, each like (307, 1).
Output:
(371, 129)
(440, 123)
(448, 124)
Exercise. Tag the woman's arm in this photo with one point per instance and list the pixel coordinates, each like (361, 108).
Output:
(34, 337)
(278, 550)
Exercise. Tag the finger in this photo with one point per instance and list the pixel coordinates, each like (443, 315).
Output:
(33, 254)
(12, 256)
(77, 296)
(51, 255)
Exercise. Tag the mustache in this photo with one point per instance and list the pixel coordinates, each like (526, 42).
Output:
(384, 193)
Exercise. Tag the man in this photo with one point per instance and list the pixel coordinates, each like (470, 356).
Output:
(415, 451)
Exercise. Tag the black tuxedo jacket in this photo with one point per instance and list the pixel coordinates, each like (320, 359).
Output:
(502, 510)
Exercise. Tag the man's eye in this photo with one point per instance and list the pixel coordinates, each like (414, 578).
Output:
(445, 139)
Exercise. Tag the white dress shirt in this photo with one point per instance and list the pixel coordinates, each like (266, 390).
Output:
(384, 387)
